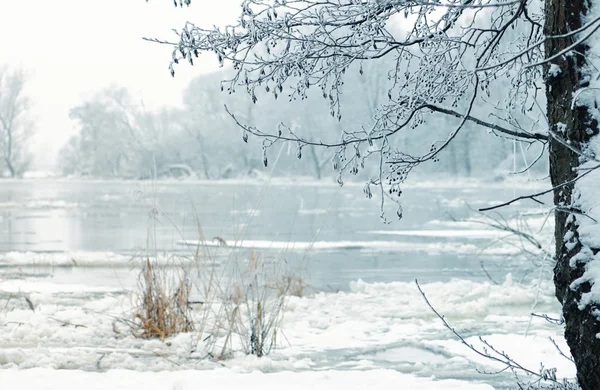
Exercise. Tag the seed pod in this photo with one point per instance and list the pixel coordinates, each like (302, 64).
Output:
(367, 191)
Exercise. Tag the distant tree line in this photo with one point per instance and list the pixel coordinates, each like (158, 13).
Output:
(119, 137)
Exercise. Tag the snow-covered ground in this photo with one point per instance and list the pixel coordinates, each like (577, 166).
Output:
(372, 336)
(225, 379)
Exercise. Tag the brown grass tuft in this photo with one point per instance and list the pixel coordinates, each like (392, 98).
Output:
(163, 303)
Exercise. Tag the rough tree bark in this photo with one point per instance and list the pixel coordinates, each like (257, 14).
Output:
(575, 125)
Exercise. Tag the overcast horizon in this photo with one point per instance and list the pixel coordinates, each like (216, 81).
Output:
(68, 54)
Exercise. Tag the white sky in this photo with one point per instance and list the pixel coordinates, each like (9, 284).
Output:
(73, 48)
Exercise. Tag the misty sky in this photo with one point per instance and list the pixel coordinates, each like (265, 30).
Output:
(73, 48)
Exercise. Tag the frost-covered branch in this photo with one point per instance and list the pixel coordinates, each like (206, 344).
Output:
(490, 352)
(443, 58)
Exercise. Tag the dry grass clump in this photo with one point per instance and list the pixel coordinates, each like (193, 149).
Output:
(241, 298)
(264, 306)
(162, 309)
(291, 285)
(247, 309)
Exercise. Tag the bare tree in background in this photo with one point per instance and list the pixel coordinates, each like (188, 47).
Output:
(118, 137)
(530, 61)
(16, 125)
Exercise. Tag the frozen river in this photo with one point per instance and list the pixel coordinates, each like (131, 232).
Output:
(335, 233)
(67, 244)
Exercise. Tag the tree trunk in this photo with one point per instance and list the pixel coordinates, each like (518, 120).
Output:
(203, 158)
(316, 162)
(11, 169)
(576, 126)
(453, 159)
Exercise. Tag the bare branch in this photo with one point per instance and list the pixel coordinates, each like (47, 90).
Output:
(497, 356)
(538, 194)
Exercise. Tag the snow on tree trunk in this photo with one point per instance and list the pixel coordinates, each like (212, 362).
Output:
(573, 124)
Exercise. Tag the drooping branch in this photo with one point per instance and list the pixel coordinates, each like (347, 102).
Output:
(285, 49)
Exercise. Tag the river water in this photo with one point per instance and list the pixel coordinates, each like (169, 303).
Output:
(347, 239)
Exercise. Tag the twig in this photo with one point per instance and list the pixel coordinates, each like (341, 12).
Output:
(166, 358)
(7, 302)
(503, 357)
(29, 303)
(99, 361)
(488, 274)
(533, 196)
(551, 320)
(66, 323)
(570, 358)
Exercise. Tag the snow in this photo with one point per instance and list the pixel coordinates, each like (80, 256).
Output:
(225, 379)
(391, 246)
(554, 70)
(60, 259)
(587, 189)
(586, 194)
(332, 340)
(39, 204)
(38, 174)
(525, 350)
(586, 197)
(85, 259)
(28, 286)
(467, 233)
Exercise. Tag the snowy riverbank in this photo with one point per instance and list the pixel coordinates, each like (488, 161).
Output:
(377, 333)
